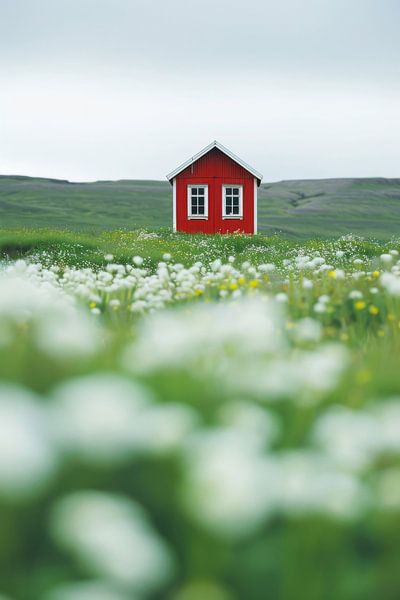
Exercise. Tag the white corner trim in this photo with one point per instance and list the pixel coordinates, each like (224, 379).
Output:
(174, 204)
(204, 151)
(255, 204)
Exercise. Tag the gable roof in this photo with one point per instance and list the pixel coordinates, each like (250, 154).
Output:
(225, 151)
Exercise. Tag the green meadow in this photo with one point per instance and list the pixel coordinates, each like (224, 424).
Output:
(294, 209)
(193, 417)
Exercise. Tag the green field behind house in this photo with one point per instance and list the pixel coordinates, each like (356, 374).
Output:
(295, 209)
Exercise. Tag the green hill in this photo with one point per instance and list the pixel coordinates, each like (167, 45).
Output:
(298, 209)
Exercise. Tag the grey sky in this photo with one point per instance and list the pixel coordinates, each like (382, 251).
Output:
(104, 89)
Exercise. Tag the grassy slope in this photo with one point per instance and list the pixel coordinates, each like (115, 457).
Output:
(298, 209)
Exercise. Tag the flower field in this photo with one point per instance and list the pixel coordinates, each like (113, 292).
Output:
(199, 418)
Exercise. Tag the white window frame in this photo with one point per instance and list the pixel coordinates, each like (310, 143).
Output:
(240, 188)
(189, 201)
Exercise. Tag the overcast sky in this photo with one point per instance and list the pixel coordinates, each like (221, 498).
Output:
(111, 89)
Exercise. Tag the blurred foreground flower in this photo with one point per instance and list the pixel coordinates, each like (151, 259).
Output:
(112, 538)
(57, 326)
(28, 459)
(106, 419)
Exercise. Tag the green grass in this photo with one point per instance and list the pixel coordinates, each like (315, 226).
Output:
(80, 249)
(293, 555)
(295, 209)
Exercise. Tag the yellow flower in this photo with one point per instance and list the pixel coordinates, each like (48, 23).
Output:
(373, 310)
(92, 305)
(241, 280)
(253, 283)
(332, 274)
(360, 305)
(376, 274)
(198, 292)
(233, 286)
(391, 317)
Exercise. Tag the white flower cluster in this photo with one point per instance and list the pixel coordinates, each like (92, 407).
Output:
(31, 298)
(243, 345)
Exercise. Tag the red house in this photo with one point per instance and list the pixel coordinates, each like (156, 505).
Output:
(215, 192)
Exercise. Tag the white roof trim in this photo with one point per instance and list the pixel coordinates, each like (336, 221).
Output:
(214, 144)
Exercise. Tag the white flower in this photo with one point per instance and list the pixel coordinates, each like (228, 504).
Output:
(96, 417)
(226, 486)
(386, 258)
(111, 537)
(303, 376)
(281, 297)
(308, 330)
(137, 260)
(267, 268)
(27, 458)
(163, 428)
(109, 257)
(59, 327)
(310, 483)
(355, 295)
(391, 282)
(181, 337)
(251, 419)
(349, 437)
(319, 307)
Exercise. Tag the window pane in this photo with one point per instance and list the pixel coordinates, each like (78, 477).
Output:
(194, 191)
(228, 191)
(201, 210)
(235, 201)
(194, 206)
(235, 210)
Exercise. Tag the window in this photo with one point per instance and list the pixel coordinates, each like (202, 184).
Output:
(198, 201)
(232, 201)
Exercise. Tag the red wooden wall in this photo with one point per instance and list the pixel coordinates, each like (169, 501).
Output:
(215, 169)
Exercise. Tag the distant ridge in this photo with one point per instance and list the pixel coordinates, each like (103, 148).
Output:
(296, 208)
